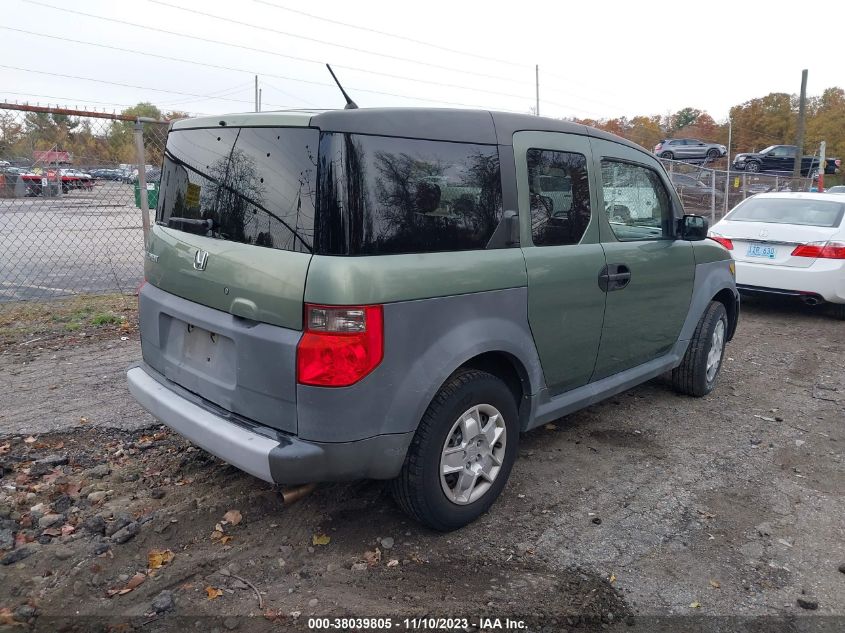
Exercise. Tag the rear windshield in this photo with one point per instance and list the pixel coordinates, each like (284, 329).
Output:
(384, 195)
(249, 185)
(802, 211)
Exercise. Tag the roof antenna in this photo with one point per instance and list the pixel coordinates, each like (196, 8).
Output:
(350, 104)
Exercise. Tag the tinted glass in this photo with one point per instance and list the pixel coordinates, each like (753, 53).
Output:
(249, 185)
(559, 195)
(383, 195)
(789, 211)
(636, 202)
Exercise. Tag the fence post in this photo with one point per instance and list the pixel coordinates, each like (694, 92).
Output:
(777, 185)
(712, 196)
(744, 185)
(142, 180)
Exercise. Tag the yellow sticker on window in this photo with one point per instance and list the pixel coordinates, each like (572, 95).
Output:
(192, 196)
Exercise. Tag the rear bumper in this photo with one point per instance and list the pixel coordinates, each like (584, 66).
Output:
(261, 451)
(824, 278)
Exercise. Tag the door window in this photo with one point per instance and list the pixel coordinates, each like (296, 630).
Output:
(559, 192)
(636, 202)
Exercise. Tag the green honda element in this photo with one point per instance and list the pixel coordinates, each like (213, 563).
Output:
(400, 293)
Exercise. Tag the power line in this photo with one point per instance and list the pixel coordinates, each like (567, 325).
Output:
(235, 69)
(115, 83)
(393, 35)
(230, 20)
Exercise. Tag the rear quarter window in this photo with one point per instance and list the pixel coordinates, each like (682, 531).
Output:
(249, 185)
(385, 195)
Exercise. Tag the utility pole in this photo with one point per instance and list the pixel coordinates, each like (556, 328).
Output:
(260, 90)
(728, 169)
(537, 87)
(820, 186)
(256, 93)
(802, 112)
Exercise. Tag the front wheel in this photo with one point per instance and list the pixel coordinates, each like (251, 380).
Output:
(713, 154)
(462, 453)
(697, 373)
(752, 166)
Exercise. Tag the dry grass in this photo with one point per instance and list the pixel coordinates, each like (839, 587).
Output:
(27, 321)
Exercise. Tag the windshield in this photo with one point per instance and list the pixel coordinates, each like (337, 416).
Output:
(249, 185)
(768, 149)
(799, 211)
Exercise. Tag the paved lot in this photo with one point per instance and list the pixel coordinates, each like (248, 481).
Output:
(79, 242)
(721, 509)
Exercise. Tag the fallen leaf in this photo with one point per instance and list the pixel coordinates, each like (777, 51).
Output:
(225, 539)
(612, 578)
(213, 593)
(233, 517)
(550, 427)
(321, 539)
(8, 618)
(52, 531)
(216, 535)
(67, 529)
(83, 420)
(373, 558)
(715, 584)
(695, 605)
(31, 439)
(158, 557)
(392, 562)
(4, 448)
(133, 583)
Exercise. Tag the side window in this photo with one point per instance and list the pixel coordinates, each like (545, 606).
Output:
(636, 202)
(559, 192)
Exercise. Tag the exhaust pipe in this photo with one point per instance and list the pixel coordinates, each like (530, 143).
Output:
(292, 495)
(811, 301)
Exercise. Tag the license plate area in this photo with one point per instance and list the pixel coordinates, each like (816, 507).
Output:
(195, 351)
(761, 250)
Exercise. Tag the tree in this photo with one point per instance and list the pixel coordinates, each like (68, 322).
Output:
(684, 118)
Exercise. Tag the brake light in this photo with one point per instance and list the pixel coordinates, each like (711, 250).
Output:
(658, 147)
(340, 345)
(823, 250)
(724, 241)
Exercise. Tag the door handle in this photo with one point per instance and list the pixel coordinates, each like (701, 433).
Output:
(614, 277)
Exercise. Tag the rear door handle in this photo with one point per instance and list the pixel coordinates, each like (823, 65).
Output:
(614, 277)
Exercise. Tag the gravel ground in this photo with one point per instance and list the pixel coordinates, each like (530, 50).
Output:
(650, 511)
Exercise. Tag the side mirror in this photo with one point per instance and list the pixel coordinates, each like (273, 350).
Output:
(692, 228)
(506, 234)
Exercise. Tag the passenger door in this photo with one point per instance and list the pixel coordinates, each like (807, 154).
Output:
(559, 227)
(650, 274)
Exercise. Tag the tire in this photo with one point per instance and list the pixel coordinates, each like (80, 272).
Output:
(421, 490)
(752, 166)
(713, 154)
(838, 310)
(695, 375)
(667, 155)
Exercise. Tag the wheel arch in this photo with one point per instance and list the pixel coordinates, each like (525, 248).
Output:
(511, 371)
(728, 299)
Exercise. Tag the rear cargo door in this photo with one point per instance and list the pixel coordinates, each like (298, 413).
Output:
(235, 222)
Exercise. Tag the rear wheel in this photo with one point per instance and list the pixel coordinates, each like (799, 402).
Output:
(713, 154)
(667, 155)
(462, 453)
(697, 373)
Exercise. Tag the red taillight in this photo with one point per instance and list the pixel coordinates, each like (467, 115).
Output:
(340, 345)
(658, 147)
(724, 241)
(823, 250)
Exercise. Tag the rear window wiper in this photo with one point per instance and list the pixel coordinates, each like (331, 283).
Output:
(191, 225)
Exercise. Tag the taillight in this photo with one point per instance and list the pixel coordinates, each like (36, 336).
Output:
(724, 241)
(658, 147)
(823, 250)
(340, 345)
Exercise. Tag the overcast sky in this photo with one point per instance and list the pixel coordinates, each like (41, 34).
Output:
(597, 59)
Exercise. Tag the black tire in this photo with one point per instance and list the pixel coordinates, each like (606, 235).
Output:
(838, 310)
(690, 377)
(418, 489)
(667, 155)
(713, 154)
(752, 166)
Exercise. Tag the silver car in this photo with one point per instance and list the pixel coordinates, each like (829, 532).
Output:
(684, 148)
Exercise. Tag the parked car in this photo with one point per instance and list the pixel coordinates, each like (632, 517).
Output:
(788, 244)
(684, 148)
(695, 193)
(412, 315)
(782, 158)
(836, 189)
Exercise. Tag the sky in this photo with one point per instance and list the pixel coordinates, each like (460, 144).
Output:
(598, 59)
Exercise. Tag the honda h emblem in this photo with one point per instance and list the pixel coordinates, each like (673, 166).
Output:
(764, 233)
(200, 259)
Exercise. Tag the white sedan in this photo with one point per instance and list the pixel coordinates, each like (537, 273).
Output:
(789, 244)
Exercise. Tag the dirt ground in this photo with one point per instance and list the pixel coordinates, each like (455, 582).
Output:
(647, 512)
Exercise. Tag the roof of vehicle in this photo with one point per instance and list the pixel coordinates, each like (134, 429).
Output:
(447, 124)
(801, 195)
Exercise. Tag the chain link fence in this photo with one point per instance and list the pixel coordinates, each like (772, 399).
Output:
(72, 188)
(712, 192)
